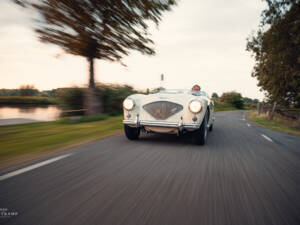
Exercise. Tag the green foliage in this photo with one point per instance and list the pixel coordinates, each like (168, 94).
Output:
(32, 90)
(9, 92)
(222, 106)
(112, 97)
(28, 90)
(250, 101)
(71, 98)
(276, 49)
(215, 95)
(233, 98)
(23, 100)
(98, 29)
(277, 124)
(48, 93)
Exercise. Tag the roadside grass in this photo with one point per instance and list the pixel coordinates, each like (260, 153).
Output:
(276, 124)
(24, 139)
(83, 119)
(24, 100)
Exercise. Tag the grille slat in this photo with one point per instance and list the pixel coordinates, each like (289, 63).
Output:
(162, 109)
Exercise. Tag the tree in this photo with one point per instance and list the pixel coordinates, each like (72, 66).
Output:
(98, 29)
(276, 49)
(215, 95)
(9, 92)
(233, 98)
(28, 90)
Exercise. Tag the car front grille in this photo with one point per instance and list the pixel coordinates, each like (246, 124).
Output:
(162, 109)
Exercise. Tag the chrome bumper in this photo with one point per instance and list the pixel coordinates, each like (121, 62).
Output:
(180, 125)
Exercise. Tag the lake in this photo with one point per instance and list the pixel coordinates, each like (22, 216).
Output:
(41, 113)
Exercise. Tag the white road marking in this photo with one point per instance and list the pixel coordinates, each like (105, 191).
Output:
(248, 125)
(32, 167)
(267, 138)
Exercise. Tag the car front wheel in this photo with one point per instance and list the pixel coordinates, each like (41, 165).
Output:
(201, 133)
(131, 132)
(211, 127)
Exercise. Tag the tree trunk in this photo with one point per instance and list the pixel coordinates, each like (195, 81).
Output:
(273, 111)
(258, 108)
(93, 102)
(92, 73)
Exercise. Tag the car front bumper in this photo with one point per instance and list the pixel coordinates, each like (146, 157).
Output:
(180, 125)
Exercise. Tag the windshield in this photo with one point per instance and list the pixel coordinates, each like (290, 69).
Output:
(198, 93)
(182, 91)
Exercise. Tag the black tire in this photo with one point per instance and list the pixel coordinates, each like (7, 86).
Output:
(201, 133)
(131, 132)
(211, 127)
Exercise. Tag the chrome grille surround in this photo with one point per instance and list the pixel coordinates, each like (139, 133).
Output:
(162, 110)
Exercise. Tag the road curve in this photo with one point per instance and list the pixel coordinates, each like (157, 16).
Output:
(244, 175)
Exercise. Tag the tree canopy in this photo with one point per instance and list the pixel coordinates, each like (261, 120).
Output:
(276, 49)
(233, 98)
(215, 95)
(103, 29)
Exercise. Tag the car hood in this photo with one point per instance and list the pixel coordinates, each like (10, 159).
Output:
(182, 99)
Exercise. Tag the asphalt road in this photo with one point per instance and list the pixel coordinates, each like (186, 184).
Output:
(244, 175)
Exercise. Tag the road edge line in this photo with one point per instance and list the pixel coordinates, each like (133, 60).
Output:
(34, 166)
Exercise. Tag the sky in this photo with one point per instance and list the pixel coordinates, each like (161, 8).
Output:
(199, 42)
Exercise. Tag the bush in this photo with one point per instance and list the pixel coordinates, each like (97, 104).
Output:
(9, 92)
(222, 106)
(233, 98)
(28, 90)
(215, 95)
(112, 97)
(71, 98)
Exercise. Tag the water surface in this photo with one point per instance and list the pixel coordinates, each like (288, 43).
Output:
(40, 113)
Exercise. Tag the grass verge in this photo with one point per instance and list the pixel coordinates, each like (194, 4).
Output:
(35, 138)
(276, 124)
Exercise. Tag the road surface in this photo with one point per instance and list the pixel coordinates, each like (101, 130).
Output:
(244, 175)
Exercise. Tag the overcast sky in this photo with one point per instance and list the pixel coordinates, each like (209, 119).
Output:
(199, 42)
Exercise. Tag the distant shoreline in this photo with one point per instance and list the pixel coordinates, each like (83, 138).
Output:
(26, 100)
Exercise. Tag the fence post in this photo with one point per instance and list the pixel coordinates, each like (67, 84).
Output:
(272, 112)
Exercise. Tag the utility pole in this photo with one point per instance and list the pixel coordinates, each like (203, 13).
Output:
(162, 78)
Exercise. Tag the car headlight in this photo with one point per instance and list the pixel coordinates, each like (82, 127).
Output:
(128, 104)
(195, 106)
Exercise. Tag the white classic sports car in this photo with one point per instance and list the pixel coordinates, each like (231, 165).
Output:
(169, 111)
